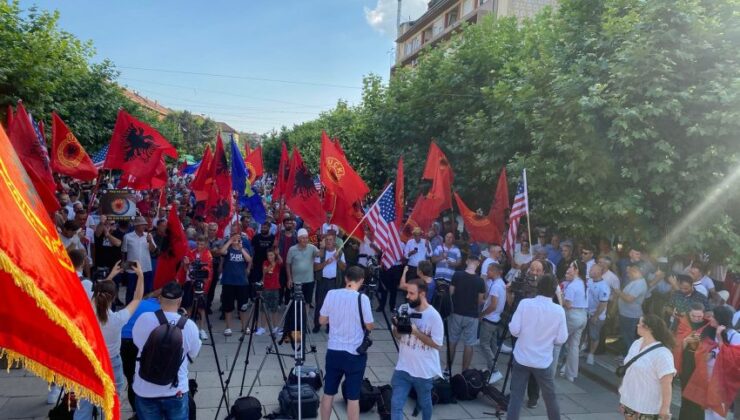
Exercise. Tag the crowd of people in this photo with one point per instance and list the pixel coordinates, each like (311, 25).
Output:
(580, 300)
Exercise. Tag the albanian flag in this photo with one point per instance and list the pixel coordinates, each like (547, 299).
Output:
(282, 176)
(174, 248)
(437, 165)
(423, 214)
(253, 162)
(218, 205)
(500, 204)
(479, 227)
(134, 146)
(202, 181)
(301, 195)
(31, 150)
(155, 180)
(67, 155)
(336, 173)
(48, 324)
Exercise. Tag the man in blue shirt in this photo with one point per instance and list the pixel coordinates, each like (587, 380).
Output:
(129, 351)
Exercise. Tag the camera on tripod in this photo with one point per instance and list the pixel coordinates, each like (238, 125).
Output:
(100, 273)
(372, 282)
(198, 274)
(258, 286)
(523, 286)
(402, 319)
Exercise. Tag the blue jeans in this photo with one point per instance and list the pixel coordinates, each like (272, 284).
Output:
(131, 284)
(628, 331)
(402, 383)
(519, 378)
(84, 409)
(165, 408)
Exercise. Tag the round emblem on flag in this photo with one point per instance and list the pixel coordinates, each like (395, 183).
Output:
(335, 169)
(251, 171)
(120, 206)
(69, 152)
(478, 220)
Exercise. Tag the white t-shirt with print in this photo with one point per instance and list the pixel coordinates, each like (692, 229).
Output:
(416, 358)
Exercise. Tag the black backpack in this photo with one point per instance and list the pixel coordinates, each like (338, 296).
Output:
(442, 389)
(384, 402)
(246, 408)
(468, 384)
(369, 395)
(163, 353)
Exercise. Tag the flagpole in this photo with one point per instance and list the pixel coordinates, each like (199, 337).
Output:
(365, 215)
(529, 225)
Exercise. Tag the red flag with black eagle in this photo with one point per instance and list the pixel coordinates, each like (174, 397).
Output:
(282, 176)
(253, 162)
(301, 195)
(134, 146)
(174, 248)
(497, 213)
(68, 157)
(218, 205)
(155, 180)
(202, 180)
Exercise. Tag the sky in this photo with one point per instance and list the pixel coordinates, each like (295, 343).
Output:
(256, 65)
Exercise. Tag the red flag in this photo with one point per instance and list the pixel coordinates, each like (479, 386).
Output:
(337, 175)
(247, 150)
(437, 163)
(155, 180)
(479, 227)
(500, 204)
(133, 147)
(63, 344)
(174, 249)
(301, 195)
(725, 381)
(423, 214)
(32, 153)
(218, 205)
(162, 198)
(9, 119)
(202, 179)
(68, 157)
(282, 175)
(699, 389)
(254, 165)
(400, 199)
(347, 216)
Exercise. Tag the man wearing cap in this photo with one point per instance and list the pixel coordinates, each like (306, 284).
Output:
(165, 401)
(468, 291)
(416, 250)
(137, 246)
(300, 265)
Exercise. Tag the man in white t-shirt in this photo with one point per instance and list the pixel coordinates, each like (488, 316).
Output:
(598, 293)
(329, 264)
(447, 257)
(341, 309)
(494, 256)
(137, 246)
(490, 318)
(328, 226)
(418, 354)
(416, 250)
(165, 401)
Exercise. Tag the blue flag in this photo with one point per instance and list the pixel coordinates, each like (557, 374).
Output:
(247, 197)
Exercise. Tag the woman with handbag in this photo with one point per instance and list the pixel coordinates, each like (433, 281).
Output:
(647, 373)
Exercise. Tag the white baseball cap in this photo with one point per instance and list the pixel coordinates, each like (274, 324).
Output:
(302, 232)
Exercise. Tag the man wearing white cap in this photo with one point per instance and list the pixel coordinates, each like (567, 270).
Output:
(299, 265)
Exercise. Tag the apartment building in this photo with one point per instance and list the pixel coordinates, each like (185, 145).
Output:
(444, 17)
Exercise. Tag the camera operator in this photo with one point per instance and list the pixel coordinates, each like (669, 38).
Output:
(418, 354)
(539, 324)
(340, 310)
(202, 255)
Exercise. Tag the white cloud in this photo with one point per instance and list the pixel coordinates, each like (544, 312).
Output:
(383, 17)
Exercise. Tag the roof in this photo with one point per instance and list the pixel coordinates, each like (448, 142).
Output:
(434, 10)
(146, 102)
(225, 128)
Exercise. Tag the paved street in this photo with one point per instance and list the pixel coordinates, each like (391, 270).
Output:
(23, 396)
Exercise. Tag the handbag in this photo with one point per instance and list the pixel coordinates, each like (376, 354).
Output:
(622, 370)
(366, 341)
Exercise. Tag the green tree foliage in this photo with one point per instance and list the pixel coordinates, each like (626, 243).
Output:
(624, 112)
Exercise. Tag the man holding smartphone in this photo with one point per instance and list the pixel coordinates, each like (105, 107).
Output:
(417, 249)
(136, 246)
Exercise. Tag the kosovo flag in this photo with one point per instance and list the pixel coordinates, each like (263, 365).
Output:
(247, 197)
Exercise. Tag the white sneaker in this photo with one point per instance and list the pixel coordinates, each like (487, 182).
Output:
(590, 359)
(260, 331)
(203, 335)
(495, 377)
(53, 396)
(505, 349)
(228, 332)
(562, 371)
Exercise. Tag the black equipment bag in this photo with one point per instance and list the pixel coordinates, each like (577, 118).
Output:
(369, 395)
(246, 408)
(163, 353)
(468, 384)
(65, 407)
(309, 375)
(442, 389)
(288, 400)
(192, 390)
(384, 402)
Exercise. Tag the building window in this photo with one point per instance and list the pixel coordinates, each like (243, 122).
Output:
(438, 26)
(452, 17)
(427, 35)
(467, 7)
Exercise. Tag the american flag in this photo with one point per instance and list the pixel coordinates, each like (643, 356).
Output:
(519, 209)
(317, 183)
(382, 217)
(98, 157)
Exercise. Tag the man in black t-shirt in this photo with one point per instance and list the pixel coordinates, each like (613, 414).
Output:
(261, 243)
(108, 241)
(468, 291)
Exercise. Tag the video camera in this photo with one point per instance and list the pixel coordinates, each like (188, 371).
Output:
(402, 319)
(198, 274)
(523, 286)
(258, 287)
(372, 282)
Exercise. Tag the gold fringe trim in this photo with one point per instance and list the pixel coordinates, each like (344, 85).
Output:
(28, 285)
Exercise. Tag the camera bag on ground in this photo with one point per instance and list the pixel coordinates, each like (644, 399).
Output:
(369, 395)
(309, 375)
(246, 408)
(443, 391)
(163, 354)
(288, 399)
(468, 384)
(384, 401)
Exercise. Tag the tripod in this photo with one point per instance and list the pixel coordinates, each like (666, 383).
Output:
(259, 306)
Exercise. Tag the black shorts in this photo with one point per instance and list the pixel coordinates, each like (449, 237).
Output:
(231, 293)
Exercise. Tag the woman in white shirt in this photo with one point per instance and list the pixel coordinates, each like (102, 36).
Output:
(646, 388)
(111, 324)
(575, 302)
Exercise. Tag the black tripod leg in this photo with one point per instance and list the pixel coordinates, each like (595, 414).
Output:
(449, 354)
(272, 336)
(390, 329)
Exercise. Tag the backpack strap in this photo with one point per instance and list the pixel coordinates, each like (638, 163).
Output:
(160, 317)
(182, 321)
